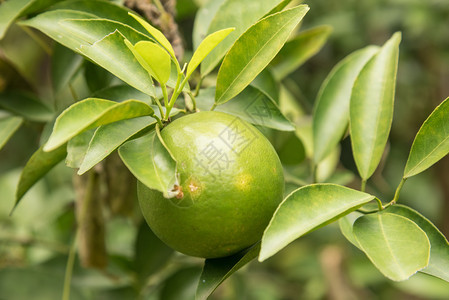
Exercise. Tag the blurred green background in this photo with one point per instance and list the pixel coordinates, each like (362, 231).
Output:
(36, 239)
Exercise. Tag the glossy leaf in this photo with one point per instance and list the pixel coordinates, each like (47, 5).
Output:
(37, 166)
(77, 148)
(439, 246)
(181, 284)
(158, 36)
(99, 40)
(252, 106)
(203, 18)
(254, 50)
(298, 50)
(431, 142)
(216, 270)
(108, 138)
(101, 9)
(206, 46)
(238, 14)
(306, 209)
(9, 11)
(331, 114)
(154, 59)
(149, 161)
(371, 107)
(90, 113)
(8, 125)
(26, 105)
(394, 244)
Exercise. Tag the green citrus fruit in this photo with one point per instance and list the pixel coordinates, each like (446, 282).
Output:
(231, 182)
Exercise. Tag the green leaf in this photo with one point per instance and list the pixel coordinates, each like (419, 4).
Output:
(206, 46)
(101, 9)
(109, 137)
(64, 65)
(154, 59)
(151, 163)
(371, 107)
(251, 105)
(37, 166)
(9, 11)
(232, 13)
(102, 41)
(26, 105)
(8, 125)
(266, 83)
(439, 246)
(77, 148)
(181, 284)
(217, 270)
(91, 113)
(151, 255)
(96, 77)
(254, 50)
(203, 18)
(158, 36)
(331, 114)
(394, 244)
(346, 224)
(298, 50)
(122, 92)
(431, 142)
(306, 209)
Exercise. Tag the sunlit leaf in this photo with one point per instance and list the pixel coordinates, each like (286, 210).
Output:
(254, 50)
(431, 142)
(439, 246)
(158, 36)
(298, 50)
(108, 138)
(216, 270)
(149, 161)
(251, 105)
(371, 107)
(306, 209)
(8, 125)
(102, 41)
(91, 113)
(331, 114)
(37, 166)
(394, 244)
(154, 59)
(206, 46)
(232, 13)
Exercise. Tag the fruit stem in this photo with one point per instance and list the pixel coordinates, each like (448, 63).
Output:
(164, 93)
(192, 96)
(175, 95)
(161, 110)
(198, 87)
(397, 193)
(363, 185)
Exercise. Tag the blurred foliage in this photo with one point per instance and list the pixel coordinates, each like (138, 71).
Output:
(35, 241)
